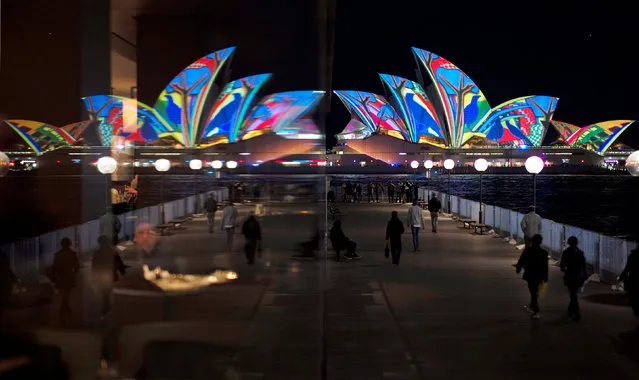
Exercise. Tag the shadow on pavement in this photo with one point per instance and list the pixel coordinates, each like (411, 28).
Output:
(627, 344)
(614, 299)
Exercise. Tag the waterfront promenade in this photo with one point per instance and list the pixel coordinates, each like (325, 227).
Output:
(453, 310)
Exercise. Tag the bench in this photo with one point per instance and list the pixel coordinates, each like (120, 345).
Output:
(467, 223)
(177, 222)
(165, 229)
(481, 228)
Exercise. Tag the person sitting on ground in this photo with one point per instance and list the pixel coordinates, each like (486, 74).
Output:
(530, 225)
(340, 242)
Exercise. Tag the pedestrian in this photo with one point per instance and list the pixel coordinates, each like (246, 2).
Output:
(434, 207)
(369, 191)
(534, 262)
(64, 270)
(394, 231)
(228, 224)
(573, 264)
(630, 278)
(530, 225)
(415, 221)
(378, 188)
(253, 235)
(391, 193)
(110, 226)
(210, 206)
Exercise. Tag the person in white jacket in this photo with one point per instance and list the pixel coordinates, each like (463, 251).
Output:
(530, 225)
(415, 222)
(228, 224)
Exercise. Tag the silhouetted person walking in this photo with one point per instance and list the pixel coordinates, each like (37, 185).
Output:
(534, 261)
(573, 264)
(530, 225)
(229, 221)
(377, 189)
(210, 205)
(391, 193)
(434, 207)
(415, 221)
(253, 235)
(394, 231)
(630, 277)
(64, 270)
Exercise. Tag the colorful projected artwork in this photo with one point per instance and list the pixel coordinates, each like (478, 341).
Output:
(277, 111)
(77, 129)
(118, 116)
(225, 121)
(523, 120)
(302, 129)
(599, 136)
(416, 109)
(182, 102)
(354, 130)
(565, 129)
(41, 136)
(464, 103)
(374, 112)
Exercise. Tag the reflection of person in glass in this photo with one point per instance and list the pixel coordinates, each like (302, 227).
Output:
(253, 234)
(65, 268)
(106, 267)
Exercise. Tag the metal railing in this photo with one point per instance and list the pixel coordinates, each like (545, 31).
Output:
(606, 255)
(30, 257)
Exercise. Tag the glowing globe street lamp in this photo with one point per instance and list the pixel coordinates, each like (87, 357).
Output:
(632, 164)
(107, 165)
(449, 165)
(217, 164)
(414, 164)
(231, 164)
(195, 164)
(4, 164)
(481, 165)
(162, 165)
(428, 164)
(534, 165)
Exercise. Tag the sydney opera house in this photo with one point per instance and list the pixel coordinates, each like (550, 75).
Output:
(451, 118)
(191, 118)
(198, 115)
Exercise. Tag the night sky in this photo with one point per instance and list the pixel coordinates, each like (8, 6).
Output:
(581, 52)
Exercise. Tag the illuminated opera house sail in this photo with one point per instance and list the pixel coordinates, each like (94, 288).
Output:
(189, 113)
(454, 113)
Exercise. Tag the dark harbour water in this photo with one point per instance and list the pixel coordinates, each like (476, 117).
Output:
(31, 205)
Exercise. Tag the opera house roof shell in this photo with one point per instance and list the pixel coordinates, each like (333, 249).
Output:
(189, 112)
(454, 113)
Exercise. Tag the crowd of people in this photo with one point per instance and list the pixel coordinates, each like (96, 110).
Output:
(374, 192)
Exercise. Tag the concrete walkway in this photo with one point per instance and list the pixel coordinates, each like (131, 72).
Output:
(450, 311)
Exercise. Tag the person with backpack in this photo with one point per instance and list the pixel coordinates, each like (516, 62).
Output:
(573, 264)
